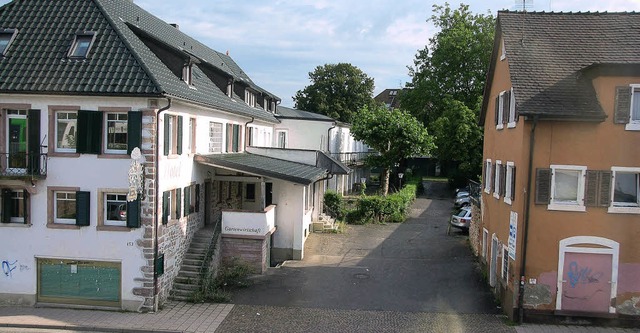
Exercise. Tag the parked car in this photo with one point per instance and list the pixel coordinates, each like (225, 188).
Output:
(461, 219)
(463, 199)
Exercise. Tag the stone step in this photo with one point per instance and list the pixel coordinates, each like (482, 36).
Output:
(197, 250)
(190, 268)
(185, 286)
(196, 245)
(182, 293)
(186, 274)
(181, 298)
(194, 256)
(192, 262)
(186, 280)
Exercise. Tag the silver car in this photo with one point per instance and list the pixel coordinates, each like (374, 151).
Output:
(461, 219)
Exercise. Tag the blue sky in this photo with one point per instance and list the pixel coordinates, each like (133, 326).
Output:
(278, 42)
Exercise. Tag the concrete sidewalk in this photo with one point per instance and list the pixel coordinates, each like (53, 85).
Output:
(174, 317)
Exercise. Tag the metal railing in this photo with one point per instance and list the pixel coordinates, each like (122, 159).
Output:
(16, 165)
(351, 158)
(475, 189)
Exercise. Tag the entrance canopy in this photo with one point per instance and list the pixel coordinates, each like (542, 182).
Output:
(266, 166)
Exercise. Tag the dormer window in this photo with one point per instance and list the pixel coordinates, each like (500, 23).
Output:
(230, 88)
(187, 73)
(250, 98)
(6, 37)
(82, 44)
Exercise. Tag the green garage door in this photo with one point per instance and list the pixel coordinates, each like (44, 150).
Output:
(79, 282)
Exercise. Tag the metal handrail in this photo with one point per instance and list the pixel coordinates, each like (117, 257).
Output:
(23, 164)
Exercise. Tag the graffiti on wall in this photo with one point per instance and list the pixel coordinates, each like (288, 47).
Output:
(582, 275)
(586, 282)
(10, 267)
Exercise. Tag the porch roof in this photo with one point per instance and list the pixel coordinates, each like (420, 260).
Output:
(265, 166)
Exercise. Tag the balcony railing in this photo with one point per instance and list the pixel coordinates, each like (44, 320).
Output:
(353, 158)
(22, 165)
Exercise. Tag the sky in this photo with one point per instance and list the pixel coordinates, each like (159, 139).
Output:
(278, 42)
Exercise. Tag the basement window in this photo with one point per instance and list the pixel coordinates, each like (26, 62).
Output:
(82, 45)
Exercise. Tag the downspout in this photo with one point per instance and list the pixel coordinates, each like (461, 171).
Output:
(156, 220)
(329, 141)
(532, 142)
(247, 134)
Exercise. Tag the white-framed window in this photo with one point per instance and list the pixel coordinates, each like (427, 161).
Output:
(625, 194)
(497, 179)
(187, 74)
(191, 140)
(81, 45)
(485, 242)
(567, 187)
(510, 183)
(487, 176)
(173, 134)
(500, 110)
(115, 209)
(14, 206)
(230, 88)
(512, 110)
(250, 98)
(116, 133)
(282, 139)
(505, 263)
(215, 137)
(503, 51)
(64, 207)
(634, 113)
(66, 127)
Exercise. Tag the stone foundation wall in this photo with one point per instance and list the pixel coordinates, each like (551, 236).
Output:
(255, 252)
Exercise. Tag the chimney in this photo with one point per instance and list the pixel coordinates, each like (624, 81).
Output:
(175, 25)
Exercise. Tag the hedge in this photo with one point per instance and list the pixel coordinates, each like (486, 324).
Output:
(379, 209)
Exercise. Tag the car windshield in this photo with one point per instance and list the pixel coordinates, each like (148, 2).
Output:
(462, 213)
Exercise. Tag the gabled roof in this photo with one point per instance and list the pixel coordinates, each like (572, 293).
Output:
(265, 166)
(289, 113)
(120, 63)
(390, 97)
(548, 54)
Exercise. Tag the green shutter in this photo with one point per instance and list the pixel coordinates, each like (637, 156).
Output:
(178, 203)
(134, 130)
(513, 183)
(187, 200)
(622, 109)
(543, 186)
(591, 189)
(159, 264)
(197, 198)
(179, 148)
(6, 205)
(236, 138)
(167, 135)
(165, 207)
(604, 188)
(83, 208)
(89, 138)
(33, 140)
(497, 109)
(133, 213)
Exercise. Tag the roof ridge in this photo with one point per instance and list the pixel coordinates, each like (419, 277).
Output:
(128, 45)
(596, 13)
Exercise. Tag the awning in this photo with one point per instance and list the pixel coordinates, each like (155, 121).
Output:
(264, 166)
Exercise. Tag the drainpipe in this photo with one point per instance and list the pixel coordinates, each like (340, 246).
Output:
(329, 141)
(156, 220)
(247, 134)
(532, 141)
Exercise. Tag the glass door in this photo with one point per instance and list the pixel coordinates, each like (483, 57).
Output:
(17, 141)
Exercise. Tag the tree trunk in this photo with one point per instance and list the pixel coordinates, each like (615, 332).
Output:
(385, 181)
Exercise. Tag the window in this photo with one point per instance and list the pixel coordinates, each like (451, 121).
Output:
(510, 183)
(626, 190)
(14, 206)
(505, 112)
(191, 142)
(115, 206)
(503, 52)
(230, 88)
(187, 74)
(250, 98)
(497, 180)
(116, 133)
(81, 45)
(6, 37)
(233, 138)
(562, 187)
(485, 240)
(66, 125)
(282, 139)
(512, 118)
(250, 192)
(252, 135)
(172, 135)
(171, 205)
(500, 111)
(488, 171)
(215, 137)
(505, 264)
(65, 207)
(627, 107)
(189, 199)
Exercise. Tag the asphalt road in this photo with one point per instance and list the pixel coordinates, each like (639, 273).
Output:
(412, 270)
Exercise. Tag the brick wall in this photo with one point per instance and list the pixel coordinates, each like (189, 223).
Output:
(255, 252)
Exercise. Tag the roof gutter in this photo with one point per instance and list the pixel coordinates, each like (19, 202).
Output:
(525, 235)
(156, 220)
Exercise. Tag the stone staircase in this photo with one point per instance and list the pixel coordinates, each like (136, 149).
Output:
(188, 278)
(325, 223)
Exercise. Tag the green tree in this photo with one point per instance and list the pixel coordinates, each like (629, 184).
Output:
(452, 67)
(395, 134)
(336, 90)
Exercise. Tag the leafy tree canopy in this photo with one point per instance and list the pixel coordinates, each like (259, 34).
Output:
(336, 90)
(394, 134)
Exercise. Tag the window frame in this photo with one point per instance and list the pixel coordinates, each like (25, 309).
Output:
(85, 36)
(216, 129)
(250, 97)
(11, 34)
(633, 124)
(579, 205)
(56, 148)
(500, 116)
(12, 220)
(487, 174)
(621, 207)
(51, 208)
(505, 264)
(512, 119)
(509, 179)
(191, 141)
(105, 130)
(497, 179)
(286, 138)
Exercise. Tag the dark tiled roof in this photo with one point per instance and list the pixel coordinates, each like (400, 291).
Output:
(547, 53)
(119, 63)
(285, 112)
(389, 97)
(265, 166)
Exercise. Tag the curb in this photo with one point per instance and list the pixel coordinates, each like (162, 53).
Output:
(89, 328)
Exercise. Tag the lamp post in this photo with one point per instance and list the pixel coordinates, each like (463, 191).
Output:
(400, 175)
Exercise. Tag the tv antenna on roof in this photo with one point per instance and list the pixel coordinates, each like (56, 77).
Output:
(523, 5)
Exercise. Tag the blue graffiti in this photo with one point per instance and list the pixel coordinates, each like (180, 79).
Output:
(584, 275)
(8, 267)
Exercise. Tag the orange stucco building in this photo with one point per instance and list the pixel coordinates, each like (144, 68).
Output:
(558, 226)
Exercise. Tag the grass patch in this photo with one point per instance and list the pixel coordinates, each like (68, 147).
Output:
(435, 179)
(233, 274)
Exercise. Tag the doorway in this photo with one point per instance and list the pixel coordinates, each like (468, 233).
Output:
(268, 195)
(16, 140)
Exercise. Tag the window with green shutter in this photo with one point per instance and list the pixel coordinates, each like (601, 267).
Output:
(178, 208)
(83, 208)
(133, 213)
(166, 203)
(134, 130)
(89, 138)
(33, 140)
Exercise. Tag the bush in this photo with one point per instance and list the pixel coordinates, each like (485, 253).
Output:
(378, 209)
(231, 275)
(333, 204)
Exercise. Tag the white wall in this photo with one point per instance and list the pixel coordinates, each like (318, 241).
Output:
(289, 199)
(304, 134)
